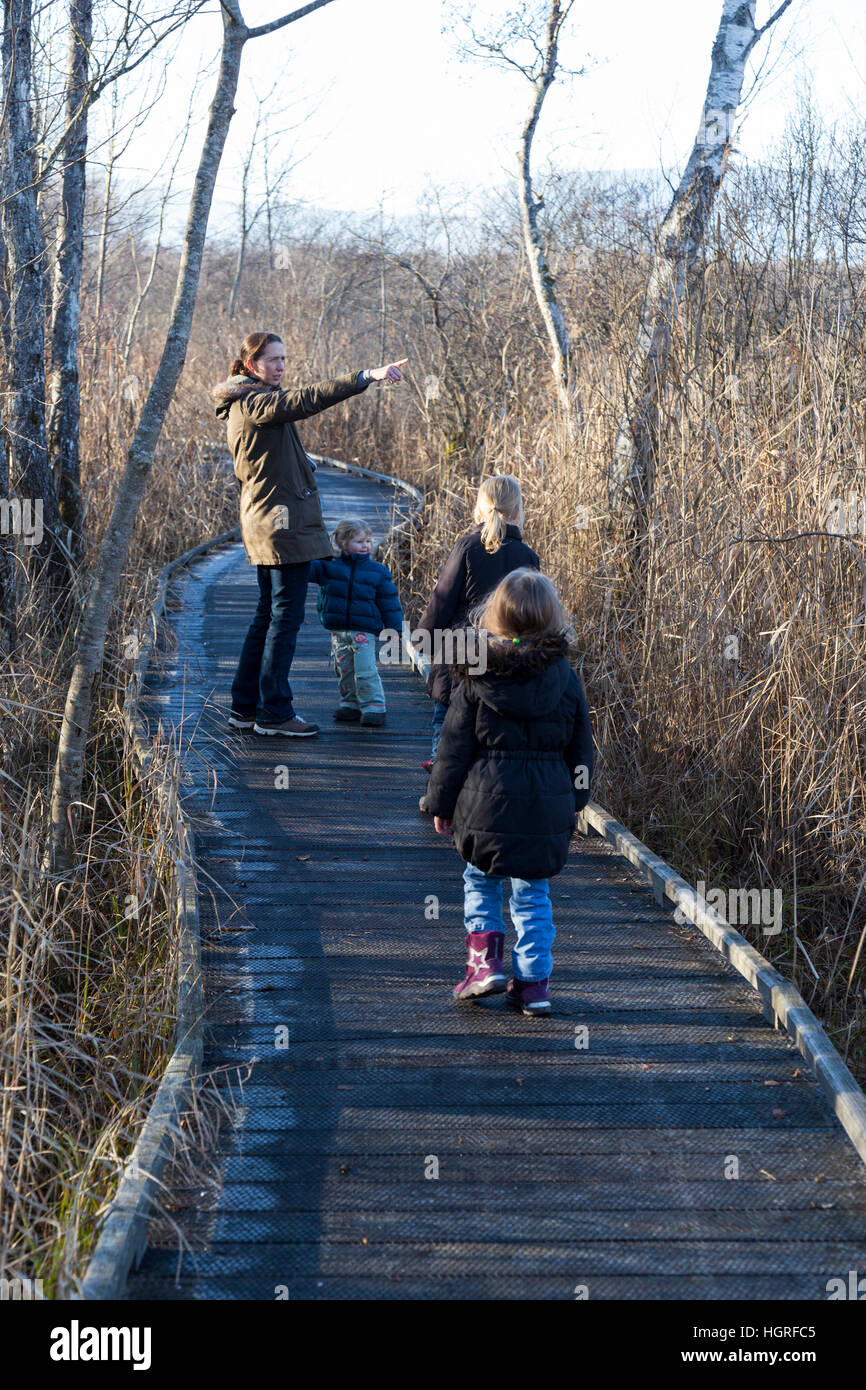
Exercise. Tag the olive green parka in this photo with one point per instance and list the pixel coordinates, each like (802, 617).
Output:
(280, 511)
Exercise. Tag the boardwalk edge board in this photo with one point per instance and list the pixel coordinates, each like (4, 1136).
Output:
(783, 1005)
(123, 1237)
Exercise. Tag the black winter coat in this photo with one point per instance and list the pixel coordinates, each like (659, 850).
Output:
(467, 577)
(510, 748)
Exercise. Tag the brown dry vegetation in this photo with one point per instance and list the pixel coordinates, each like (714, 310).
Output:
(739, 763)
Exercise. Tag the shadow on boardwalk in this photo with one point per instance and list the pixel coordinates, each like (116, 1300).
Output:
(606, 1167)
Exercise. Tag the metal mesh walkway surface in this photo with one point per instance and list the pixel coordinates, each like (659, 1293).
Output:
(654, 1138)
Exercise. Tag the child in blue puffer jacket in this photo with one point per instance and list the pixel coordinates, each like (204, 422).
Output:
(357, 599)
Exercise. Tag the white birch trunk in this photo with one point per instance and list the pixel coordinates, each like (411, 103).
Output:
(65, 411)
(679, 243)
(29, 474)
(541, 277)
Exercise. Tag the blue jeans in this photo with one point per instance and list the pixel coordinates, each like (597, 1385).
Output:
(531, 913)
(439, 712)
(261, 683)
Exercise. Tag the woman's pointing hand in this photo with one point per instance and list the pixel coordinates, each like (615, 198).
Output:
(390, 373)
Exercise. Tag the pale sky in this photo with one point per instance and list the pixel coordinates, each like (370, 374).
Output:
(396, 110)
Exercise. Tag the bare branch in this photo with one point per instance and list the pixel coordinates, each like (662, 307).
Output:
(275, 24)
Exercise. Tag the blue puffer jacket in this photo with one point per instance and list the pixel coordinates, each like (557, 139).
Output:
(357, 594)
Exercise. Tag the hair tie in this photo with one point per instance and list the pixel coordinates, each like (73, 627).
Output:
(515, 640)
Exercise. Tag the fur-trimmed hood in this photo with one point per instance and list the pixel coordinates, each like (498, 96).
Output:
(519, 659)
(225, 393)
(524, 679)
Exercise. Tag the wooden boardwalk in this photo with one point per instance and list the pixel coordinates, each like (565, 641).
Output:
(403, 1147)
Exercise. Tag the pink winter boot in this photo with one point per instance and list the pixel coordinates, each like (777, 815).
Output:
(484, 970)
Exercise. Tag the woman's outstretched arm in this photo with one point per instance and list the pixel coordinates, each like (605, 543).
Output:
(278, 407)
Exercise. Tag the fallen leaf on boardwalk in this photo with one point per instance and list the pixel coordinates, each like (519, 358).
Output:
(771, 1083)
(767, 1175)
(645, 1066)
(797, 1072)
(778, 1113)
(302, 857)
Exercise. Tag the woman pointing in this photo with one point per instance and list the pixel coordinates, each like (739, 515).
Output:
(281, 519)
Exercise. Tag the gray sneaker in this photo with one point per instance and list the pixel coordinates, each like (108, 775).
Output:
(295, 727)
(237, 720)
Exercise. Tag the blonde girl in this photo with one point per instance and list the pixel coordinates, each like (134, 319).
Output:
(479, 561)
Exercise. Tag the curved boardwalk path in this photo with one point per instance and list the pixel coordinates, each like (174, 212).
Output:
(558, 1167)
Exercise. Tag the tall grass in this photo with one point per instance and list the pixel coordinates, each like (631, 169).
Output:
(89, 961)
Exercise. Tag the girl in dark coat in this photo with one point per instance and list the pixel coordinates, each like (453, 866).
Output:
(513, 768)
(475, 566)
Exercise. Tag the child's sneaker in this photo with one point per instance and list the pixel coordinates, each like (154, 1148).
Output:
(373, 716)
(529, 996)
(347, 714)
(484, 970)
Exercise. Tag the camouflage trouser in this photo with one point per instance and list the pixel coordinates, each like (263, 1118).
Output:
(354, 655)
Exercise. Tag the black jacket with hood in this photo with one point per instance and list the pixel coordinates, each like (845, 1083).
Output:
(468, 576)
(512, 744)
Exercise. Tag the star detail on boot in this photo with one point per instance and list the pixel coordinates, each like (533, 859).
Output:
(477, 957)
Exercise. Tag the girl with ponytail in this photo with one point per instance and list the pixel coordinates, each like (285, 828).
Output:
(478, 562)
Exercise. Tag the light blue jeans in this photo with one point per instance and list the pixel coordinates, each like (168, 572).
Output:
(531, 913)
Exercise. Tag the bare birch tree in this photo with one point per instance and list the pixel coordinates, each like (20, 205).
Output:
(29, 474)
(63, 386)
(536, 28)
(27, 157)
(678, 246)
(69, 767)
